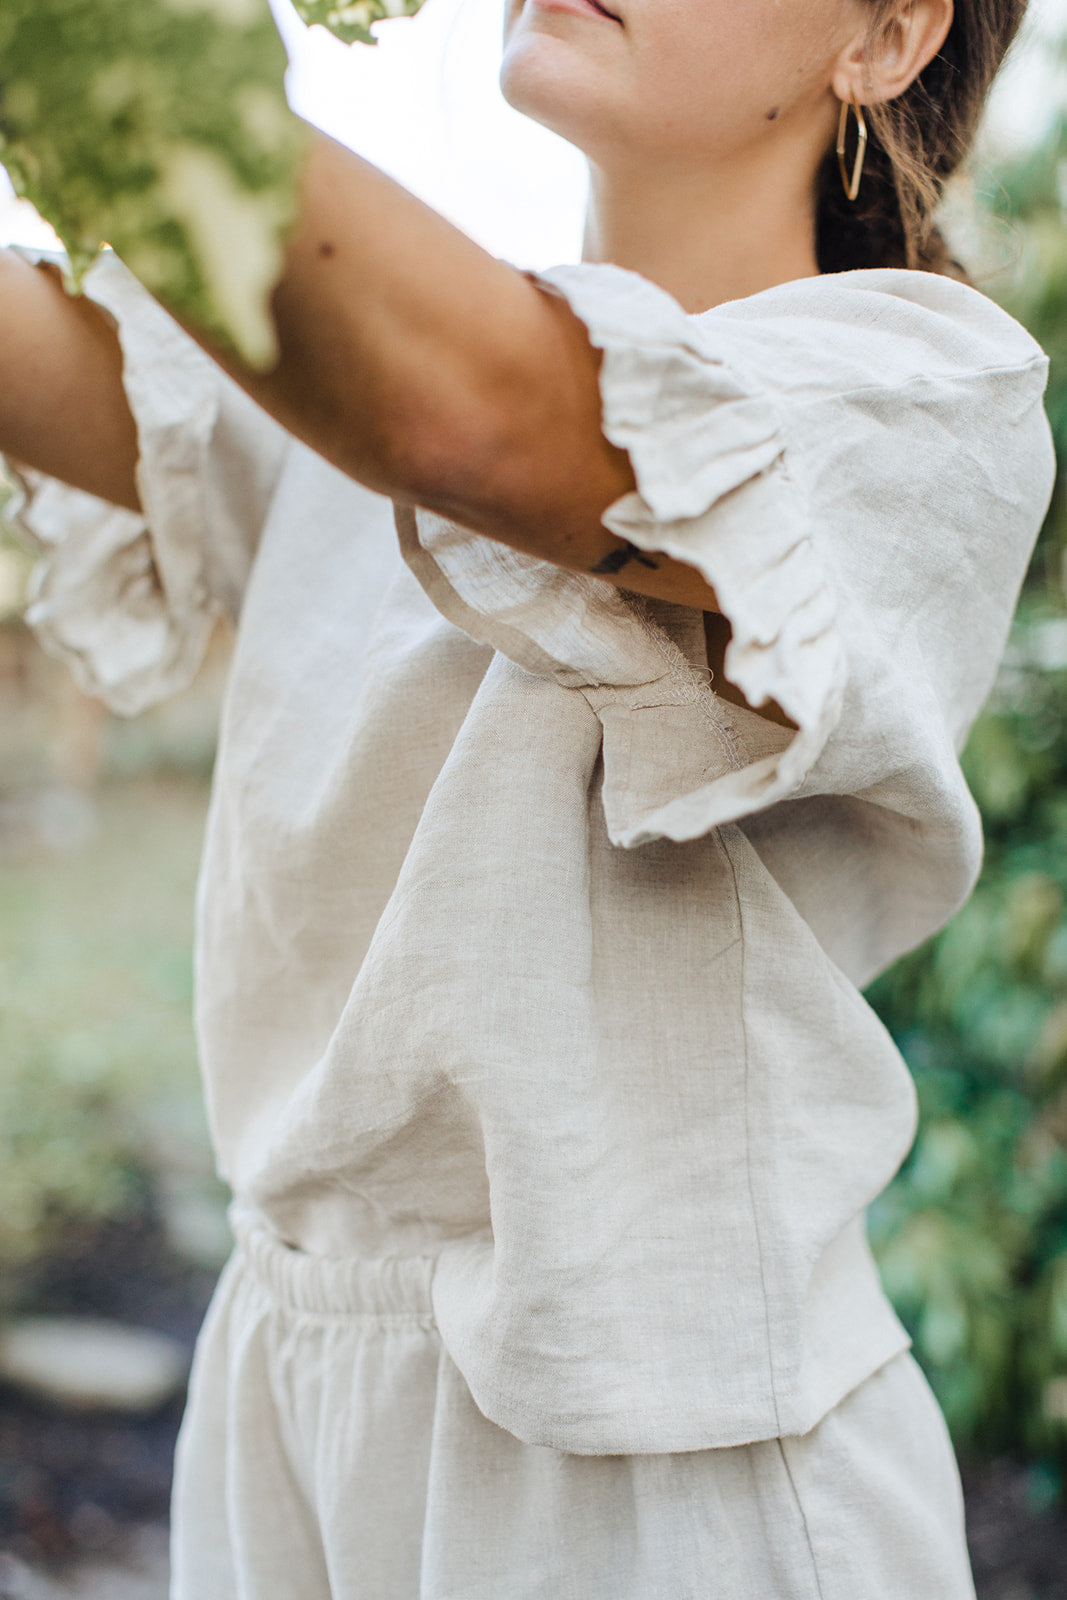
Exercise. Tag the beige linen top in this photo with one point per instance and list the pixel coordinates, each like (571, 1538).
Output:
(518, 946)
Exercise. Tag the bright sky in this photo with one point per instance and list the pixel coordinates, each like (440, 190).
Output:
(424, 104)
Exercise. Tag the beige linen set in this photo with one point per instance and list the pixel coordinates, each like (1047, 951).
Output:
(529, 967)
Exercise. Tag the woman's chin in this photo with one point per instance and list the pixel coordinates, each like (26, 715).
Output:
(542, 77)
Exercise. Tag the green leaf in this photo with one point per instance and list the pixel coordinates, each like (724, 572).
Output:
(352, 23)
(162, 128)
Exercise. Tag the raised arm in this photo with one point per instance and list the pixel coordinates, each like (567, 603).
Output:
(410, 358)
(63, 409)
(433, 373)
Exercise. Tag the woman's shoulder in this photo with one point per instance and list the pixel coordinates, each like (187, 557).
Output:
(892, 324)
(879, 328)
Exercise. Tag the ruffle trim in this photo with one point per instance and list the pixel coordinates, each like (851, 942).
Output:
(709, 453)
(708, 449)
(124, 598)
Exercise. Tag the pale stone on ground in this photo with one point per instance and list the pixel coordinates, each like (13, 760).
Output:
(88, 1365)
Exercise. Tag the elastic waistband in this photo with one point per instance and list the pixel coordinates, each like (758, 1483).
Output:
(370, 1286)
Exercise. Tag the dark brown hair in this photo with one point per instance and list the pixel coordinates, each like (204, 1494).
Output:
(917, 142)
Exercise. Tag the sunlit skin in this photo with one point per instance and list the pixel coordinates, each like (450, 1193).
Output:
(704, 126)
(433, 373)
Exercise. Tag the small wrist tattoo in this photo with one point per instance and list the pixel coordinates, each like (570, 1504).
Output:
(615, 560)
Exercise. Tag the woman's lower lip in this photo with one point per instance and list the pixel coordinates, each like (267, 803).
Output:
(576, 8)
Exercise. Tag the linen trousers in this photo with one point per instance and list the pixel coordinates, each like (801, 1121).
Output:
(331, 1451)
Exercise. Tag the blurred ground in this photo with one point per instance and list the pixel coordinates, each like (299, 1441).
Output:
(134, 1567)
(1018, 1539)
(109, 1206)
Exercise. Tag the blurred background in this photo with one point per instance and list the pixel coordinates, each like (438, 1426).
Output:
(112, 1224)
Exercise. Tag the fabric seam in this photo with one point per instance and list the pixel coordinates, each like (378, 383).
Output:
(798, 1502)
(707, 321)
(919, 380)
(749, 1176)
(694, 689)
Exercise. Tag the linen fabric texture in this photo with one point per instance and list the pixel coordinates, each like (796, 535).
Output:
(332, 1451)
(519, 947)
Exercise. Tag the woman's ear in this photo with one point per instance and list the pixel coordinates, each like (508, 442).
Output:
(906, 36)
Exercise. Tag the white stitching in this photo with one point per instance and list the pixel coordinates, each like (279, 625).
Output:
(692, 685)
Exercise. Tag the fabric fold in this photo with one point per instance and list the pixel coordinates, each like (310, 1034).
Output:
(639, 664)
(130, 600)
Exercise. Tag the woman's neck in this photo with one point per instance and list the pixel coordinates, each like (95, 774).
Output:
(704, 237)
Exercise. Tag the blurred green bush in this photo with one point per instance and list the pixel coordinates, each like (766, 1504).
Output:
(972, 1238)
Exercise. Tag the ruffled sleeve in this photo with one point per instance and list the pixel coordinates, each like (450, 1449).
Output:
(130, 601)
(858, 466)
(714, 489)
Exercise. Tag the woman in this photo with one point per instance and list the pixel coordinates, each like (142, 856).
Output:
(548, 853)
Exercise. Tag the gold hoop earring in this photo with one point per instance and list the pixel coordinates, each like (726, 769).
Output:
(852, 184)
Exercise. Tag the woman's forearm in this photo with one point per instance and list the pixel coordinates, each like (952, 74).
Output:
(63, 409)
